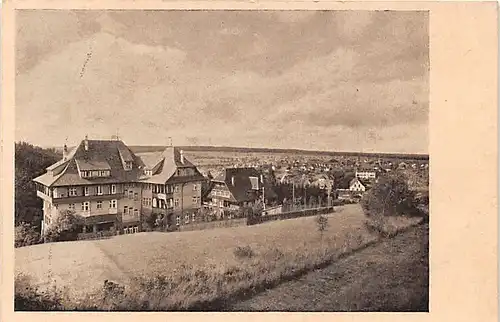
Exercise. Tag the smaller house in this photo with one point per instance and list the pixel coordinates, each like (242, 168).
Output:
(236, 188)
(366, 173)
(402, 166)
(357, 186)
(323, 181)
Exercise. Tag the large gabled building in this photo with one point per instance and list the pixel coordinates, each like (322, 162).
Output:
(104, 182)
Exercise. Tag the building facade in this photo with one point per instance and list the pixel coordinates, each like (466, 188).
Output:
(109, 186)
(236, 188)
(366, 174)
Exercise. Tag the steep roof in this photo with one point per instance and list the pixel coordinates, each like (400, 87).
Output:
(85, 165)
(363, 182)
(100, 155)
(240, 185)
(166, 164)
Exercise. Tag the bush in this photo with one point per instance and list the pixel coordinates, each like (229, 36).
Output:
(243, 252)
(390, 196)
(66, 227)
(25, 235)
(322, 222)
(28, 298)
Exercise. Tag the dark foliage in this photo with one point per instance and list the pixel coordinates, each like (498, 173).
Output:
(30, 162)
(25, 235)
(29, 298)
(390, 196)
(285, 192)
(243, 252)
(66, 227)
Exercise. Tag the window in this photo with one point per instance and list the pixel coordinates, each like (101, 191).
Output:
(178, 220)
(99, 205)
(72, 192)
(136, 229)
(186, 219)
(136, 196)
(113, 189)
(86, 206)
(131, 194)
(128, 165)
(86, 191)
(176, 202)
(176, 188)
(221, 203)
(193, 217)
(99, 190)
(144, 201)
(125, 210)
(112, 204)
(154, 202)
(71, 206)
(125, 230)
(195, 187)
(136, 212)
(195, 200)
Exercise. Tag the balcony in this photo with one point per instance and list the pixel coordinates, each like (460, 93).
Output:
(163, 196)
(42, 195)
(130, 218)
(77, 199)
(97, 212)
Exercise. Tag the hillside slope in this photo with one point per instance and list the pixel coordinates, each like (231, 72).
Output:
(84, 265)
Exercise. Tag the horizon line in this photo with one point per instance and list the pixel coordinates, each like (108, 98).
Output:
(250, 148)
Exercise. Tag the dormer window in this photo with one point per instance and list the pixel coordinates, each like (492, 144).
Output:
(148, 172)
(128, 165)
(95, 174)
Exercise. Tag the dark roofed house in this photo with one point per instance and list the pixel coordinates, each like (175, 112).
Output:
(110, 187)
(235, 188)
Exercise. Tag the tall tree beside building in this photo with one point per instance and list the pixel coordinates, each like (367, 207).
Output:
(30, 162)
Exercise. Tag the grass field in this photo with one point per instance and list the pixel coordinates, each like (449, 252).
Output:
(390, 276)
(278, 249)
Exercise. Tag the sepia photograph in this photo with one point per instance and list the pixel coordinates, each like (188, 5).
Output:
(221, 160)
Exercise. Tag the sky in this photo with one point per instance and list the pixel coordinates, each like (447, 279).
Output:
(316, 80)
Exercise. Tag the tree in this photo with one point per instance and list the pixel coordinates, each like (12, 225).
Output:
(390, 196)
(30, 162)
(25, 235)
(65, 227)
(257, 208)
(322, 223)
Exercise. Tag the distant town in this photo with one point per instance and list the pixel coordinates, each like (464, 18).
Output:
(120, 189)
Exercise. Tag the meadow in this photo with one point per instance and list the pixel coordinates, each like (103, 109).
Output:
(194, 269)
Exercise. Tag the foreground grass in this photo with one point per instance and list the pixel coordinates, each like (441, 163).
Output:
(389, 276)
(191, 270)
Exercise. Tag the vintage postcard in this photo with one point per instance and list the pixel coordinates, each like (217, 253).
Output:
(249, 157)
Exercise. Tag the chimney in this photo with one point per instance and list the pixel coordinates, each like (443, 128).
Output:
(65, 152)
(86, 142)
(182, 156)
(232, 180)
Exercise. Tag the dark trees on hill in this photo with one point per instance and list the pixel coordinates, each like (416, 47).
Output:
(30, 162)
(390, 196)
(285, 192)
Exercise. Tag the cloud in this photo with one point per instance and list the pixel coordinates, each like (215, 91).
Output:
(274, 83)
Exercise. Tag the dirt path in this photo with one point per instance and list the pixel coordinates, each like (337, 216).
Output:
(391, 276)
